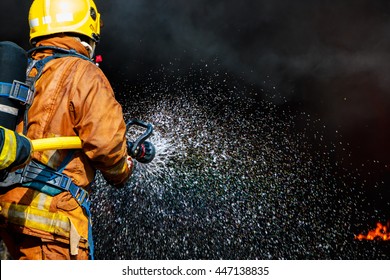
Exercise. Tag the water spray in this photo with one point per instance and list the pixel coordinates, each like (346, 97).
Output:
(236, 176)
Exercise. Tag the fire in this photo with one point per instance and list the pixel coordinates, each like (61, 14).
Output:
(380, 233)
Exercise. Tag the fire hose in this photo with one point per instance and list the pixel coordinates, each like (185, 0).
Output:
(56, 143)
(140, 149)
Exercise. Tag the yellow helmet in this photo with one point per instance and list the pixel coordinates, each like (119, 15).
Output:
(48, 17)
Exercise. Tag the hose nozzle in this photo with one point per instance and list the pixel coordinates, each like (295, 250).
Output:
(141, 150)
(144, 153)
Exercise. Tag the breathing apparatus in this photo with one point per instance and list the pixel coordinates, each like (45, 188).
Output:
(15, 94)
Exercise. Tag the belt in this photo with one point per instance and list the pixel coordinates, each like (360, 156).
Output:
(42, 178)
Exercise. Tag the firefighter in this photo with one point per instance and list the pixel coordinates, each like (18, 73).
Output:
(47, 215)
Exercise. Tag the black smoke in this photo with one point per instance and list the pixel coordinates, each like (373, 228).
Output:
(327, 58)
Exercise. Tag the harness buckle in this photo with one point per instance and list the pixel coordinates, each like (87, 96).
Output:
(82, 197)
(22, 173)
(77, 192)
(21, 92)
(65, 182)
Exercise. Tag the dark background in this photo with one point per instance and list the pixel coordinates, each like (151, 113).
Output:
(327, 58)
(330, 58)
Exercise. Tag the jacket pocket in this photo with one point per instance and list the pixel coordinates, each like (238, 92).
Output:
(65, 201)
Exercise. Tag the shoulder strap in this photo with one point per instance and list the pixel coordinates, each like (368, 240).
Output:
(39, 65)
(59, 52)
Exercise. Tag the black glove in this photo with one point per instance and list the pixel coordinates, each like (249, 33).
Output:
(15, 149)
(144, 153)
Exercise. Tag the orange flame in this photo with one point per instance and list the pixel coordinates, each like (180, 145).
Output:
(380, 233)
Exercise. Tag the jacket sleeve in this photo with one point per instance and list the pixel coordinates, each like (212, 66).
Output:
(100, 125)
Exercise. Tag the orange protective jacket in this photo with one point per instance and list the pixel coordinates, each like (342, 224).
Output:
(73, 97)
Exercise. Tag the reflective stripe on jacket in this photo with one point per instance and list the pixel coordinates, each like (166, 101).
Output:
(57, 218)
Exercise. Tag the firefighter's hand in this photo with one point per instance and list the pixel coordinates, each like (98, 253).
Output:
(15, 149)
(130, 164)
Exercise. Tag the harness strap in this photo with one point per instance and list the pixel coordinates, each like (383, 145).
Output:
(58, 50)
(17, 90)
(40, 177)
(39, 65)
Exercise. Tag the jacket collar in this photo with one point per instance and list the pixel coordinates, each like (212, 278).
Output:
(64, 42)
